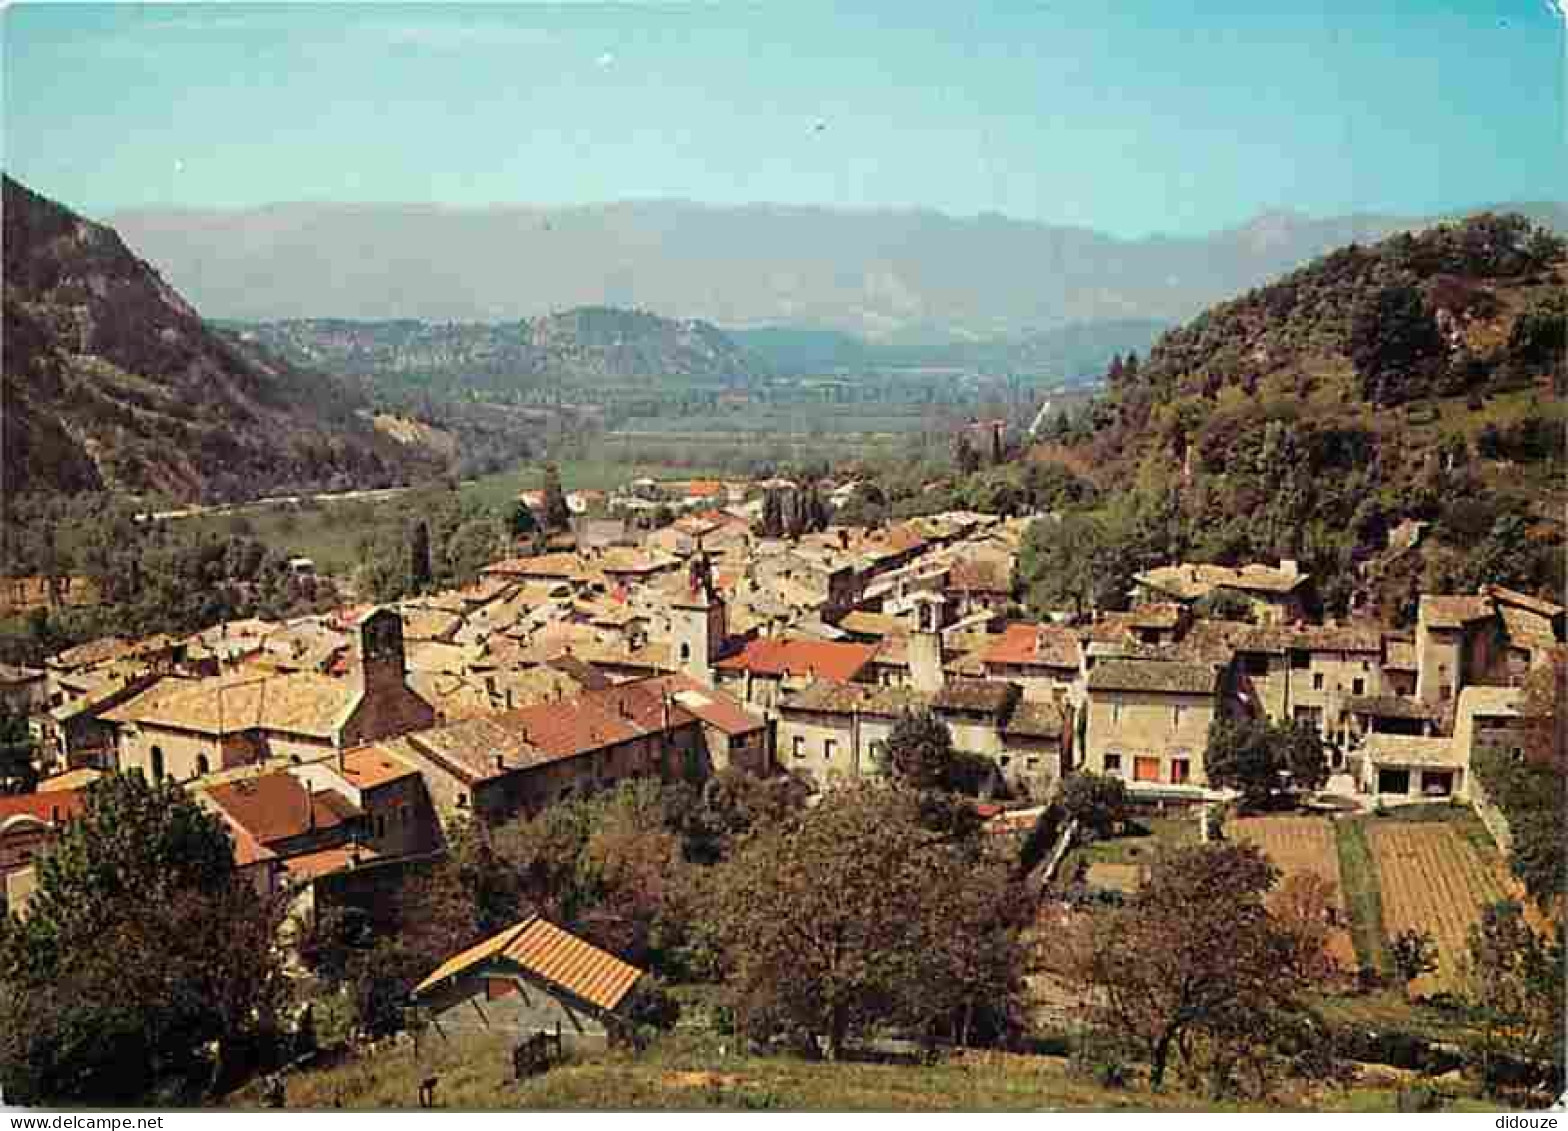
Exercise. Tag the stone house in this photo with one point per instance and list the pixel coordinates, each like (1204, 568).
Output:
(1147, 721)
(768, 668)
(532, 977)
(29, 824)
(23, 691)
(523, 760)
(190, 728)
(732, 736)
(1455, 641)
(1401, 767)
(1276, 596)
(1046, 660)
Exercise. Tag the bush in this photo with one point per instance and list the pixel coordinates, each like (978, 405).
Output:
(1420, 1098)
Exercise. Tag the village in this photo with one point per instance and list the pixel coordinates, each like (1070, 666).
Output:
(341, 750)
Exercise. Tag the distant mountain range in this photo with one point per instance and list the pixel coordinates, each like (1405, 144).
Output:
(589, 348)
(887, 277)
(112, 381)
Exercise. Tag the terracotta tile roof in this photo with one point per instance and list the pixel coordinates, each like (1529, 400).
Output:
(1388, 707)
(1189, 581)
(847, 698)
(1153, 614)
(566, 567)
(341, 858)
(1046, 645)
(551, 954)
(1410, 750)
(1453, 612)
(276, 806)
(50, 807)
(94, 652)
(1535, 605)
(247, 849)
(989, 695)
(980, 575)
(822, 659)
(873, 624)
(296, 703)
(1032, 719)
(1153, 675)
(367, 767)
(1526, 627)
(70, 780)
(715, 708)
(484, 748)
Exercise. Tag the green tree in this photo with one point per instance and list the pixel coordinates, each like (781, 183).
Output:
(772, 522)
(419, 554)
(1097, 801)
(1413, 954)
(856, 914)
(557, 515)
(1074, 564)
(965, 457)
(141, 946)
(1263, 759)
(1394, 343)
(1514, 989)
(919, 752)
(18, 751)
(1196, 955)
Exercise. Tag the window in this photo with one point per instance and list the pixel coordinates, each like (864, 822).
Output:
(1004, 760)
(157, 763)
(1358, 686)
(685, 650)
(829, 747)
(1300, 660)
(1116, 712)
(1317, 681)
(203, 767)
(462, 801)
(381, 825)
(1113, 763)
(1181, 770)
(1255, 663)
(1176, 716)
(1033, 764)
(1444, 691)
(799, 746)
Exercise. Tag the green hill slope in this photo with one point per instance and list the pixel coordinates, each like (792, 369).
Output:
(113, 382)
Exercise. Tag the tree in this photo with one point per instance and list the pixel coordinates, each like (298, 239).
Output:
(1514, 989)
(772, 521)
(853, 914)
(419, 554)
(1413, 954)
(1263, 759)
(1072, 563)
(965, 456)
(919, 752)
(141, 947)
(1394, 343)
(18, 773)
(557, 515)
(1196, 956)
(522, 523)
(1097, 801)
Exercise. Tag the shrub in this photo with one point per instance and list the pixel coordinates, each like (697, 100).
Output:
(1420, 1098)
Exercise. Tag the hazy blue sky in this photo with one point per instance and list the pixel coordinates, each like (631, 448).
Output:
(1131, 116)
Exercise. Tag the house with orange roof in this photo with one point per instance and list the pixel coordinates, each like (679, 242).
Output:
(532, 977)
(524, 760)
(768, 668)
(29, 825)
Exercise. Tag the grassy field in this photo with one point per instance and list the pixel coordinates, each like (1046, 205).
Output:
(688, 1072)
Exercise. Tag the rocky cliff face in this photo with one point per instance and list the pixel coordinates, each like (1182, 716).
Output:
(111, 381)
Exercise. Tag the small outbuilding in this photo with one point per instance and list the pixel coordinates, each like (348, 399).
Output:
(533, 977)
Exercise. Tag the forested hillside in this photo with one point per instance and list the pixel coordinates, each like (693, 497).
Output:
(113, 382)
(1418, 378)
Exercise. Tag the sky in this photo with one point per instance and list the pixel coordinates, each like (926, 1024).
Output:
(1129, 116)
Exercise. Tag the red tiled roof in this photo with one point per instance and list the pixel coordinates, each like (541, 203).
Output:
(310, 865)
(1048, 645)
(484, 748)
(273, 807)
(715, 708)
(370, 766)
(822, 659)
(53, 806)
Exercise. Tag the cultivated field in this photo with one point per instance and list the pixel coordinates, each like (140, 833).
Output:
(1432, 879)
(1304, 844)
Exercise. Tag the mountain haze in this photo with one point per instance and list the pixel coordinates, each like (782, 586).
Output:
(892, 277)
